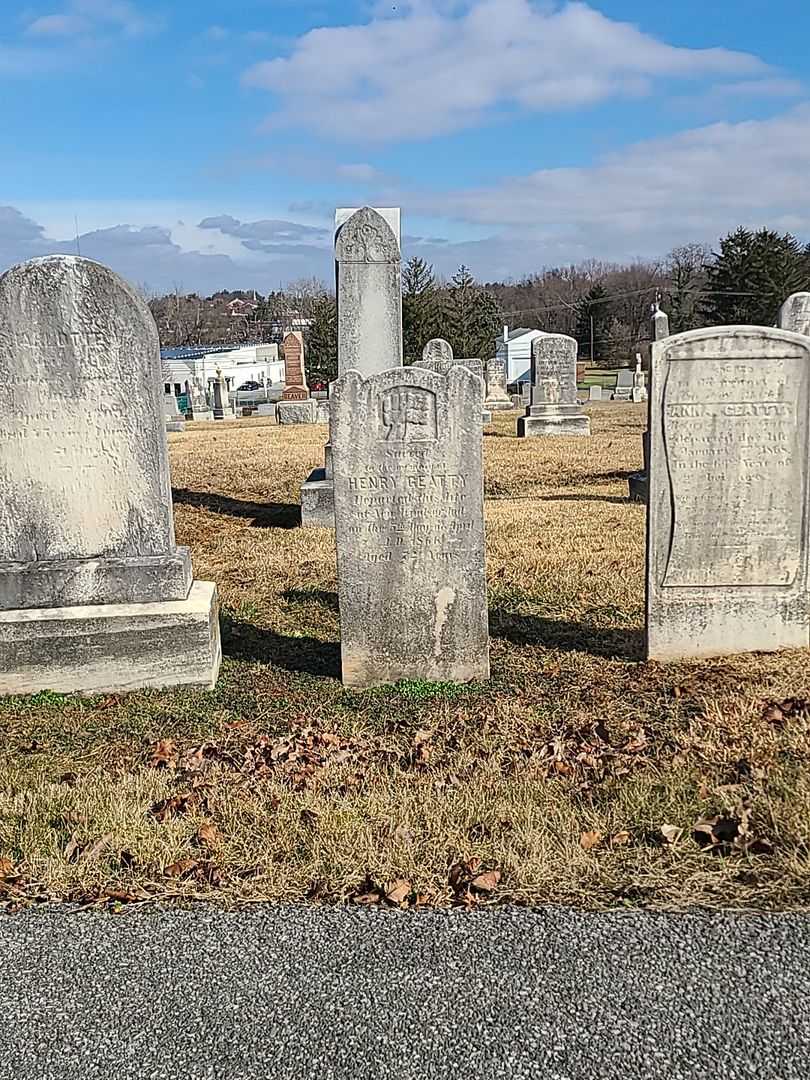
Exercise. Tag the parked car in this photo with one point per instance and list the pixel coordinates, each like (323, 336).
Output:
(249, 385)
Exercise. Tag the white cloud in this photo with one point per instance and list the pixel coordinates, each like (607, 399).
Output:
(641, 201)
(81, 18)
(63, 25)
(359, 172)
(441, 67)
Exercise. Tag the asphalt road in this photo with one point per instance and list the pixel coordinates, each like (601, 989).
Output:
(293, 992)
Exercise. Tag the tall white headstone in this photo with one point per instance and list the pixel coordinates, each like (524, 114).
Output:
(727, 558)
(369, 290)
(368, 280)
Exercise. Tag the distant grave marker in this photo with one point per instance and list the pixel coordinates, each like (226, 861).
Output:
(553, 408)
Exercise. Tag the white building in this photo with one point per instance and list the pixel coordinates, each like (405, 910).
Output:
(514, 349)
(245, 363)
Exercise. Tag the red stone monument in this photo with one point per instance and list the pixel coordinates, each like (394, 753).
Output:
(295, 386)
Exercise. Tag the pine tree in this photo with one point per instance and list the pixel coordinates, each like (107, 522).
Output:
(752, 275)
(321, 340)
(472, 316)
(421, 312)
(593, 320)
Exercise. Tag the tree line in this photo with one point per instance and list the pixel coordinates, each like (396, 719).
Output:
(605, 306)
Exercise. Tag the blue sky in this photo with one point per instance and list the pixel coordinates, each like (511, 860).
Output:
(200, 144)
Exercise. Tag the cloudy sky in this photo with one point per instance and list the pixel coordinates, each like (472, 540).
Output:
(205, 144)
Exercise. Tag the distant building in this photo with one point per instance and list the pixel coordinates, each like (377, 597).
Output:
(514, 350)
(260, 363)
(241, 307)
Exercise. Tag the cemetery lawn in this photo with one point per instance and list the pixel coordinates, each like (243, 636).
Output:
(580, 774)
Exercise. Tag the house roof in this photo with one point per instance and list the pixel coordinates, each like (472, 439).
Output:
(521, 331)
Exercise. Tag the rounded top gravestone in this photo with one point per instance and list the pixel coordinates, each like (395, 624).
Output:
(437, 349)
(83, 459)
(366, 238)
(369, 294)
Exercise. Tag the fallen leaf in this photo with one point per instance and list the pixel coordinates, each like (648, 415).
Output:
(589, 840)
(309, 818)
(171, 807)
(92, 851)
(72, 849)
(69, 778)
(774, 715)
(208, 835)
(619, 839)
(181, 868)
(671, 833)
(164, 756)
(486, 882)
(397, 892)
(6, 868)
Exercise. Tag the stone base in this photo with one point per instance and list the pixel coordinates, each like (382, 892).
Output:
(203, 414)
(637, 482)
(576, 424)
(297, 412)
(175, 425)
(497, 404)
(112, 649)
(318, 501)
(147, 579)
(266, 409)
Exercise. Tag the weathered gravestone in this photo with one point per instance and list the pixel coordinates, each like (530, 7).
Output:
(595, 393)
(497, 397)
(95, 595)
(553, 408)
(623, 391)
(369, 299)
(637, 483)
(199, 407)
(369, 291)
(795, 314)
(660, 323)
(222, 403)
(727, 544)
(171, 410)
(409, 523)
(437, 356)
(296, 406)
(439, 351)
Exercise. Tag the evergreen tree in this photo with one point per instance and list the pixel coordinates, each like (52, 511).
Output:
(321, 340)
(472, 316)
(683, 298)
(752, 275)
(593, 321)
(421, 309)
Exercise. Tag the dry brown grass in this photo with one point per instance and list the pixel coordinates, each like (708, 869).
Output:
(323, 793)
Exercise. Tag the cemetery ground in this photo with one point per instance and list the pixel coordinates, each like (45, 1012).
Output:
(581, 774)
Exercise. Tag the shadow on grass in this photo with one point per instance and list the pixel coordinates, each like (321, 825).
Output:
(584, 498)
(613, 643)
(304, 655)
(269, 515)
(321, 597)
